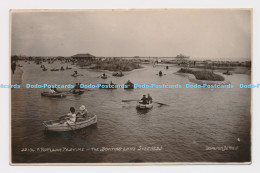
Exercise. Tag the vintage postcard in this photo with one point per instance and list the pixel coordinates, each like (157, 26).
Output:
(130, 86)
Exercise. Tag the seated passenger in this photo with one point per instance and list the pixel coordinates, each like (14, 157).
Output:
(82, 114)
(149, 98)
(52, 91)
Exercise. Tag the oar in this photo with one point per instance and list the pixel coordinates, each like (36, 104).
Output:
(70, 127)
(160, 103)
(62, 117)
(129, 100)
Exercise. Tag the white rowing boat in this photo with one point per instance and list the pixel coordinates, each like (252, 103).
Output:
(140, 105)
(59, 126)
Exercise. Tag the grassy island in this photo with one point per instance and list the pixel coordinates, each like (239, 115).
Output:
(203, 75)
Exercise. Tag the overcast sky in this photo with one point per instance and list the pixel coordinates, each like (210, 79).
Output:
(202, 34)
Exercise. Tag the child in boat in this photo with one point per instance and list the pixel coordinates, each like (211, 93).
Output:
(72, 115)
(83, 114)
(52, 91)
(69, 118)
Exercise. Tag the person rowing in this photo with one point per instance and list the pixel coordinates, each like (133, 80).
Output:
(76, 89)
(160, 73)
(144, 100)
(129, 82)
(69, 118)
(77, 86)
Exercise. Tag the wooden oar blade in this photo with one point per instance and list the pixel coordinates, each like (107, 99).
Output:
(161, 103)
(128, 100)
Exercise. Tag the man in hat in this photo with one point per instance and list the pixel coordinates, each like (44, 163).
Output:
(144, 99)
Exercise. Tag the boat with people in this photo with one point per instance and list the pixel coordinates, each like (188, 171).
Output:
(227, 73)
(145, 102)
(54, 95)
(118, 74)
(103, 76)
(140, 105)
(129, 85)
(57, 126)
(53, 69)
(44, 69)
(75, 74)
(160, 73)
(78, 92)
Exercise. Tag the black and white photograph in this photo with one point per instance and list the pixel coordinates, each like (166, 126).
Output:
(131, 86)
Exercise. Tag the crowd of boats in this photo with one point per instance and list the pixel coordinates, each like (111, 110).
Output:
(73, 121)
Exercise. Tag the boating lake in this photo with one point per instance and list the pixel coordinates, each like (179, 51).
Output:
(185, 131)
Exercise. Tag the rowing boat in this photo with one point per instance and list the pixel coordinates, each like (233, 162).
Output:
(47, 94)
(104, 77)
(76, 75)
(76, 91)
(117, 74)
(59, 126)
(54, 69)
(129, 85)
(140, 105)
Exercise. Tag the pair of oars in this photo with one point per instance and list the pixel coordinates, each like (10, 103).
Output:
(140, 100)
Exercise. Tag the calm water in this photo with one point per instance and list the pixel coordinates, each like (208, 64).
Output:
(194, 119)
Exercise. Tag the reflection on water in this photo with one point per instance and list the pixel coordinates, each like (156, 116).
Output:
(194, 120)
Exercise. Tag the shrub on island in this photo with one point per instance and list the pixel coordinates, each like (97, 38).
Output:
(203, 75)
